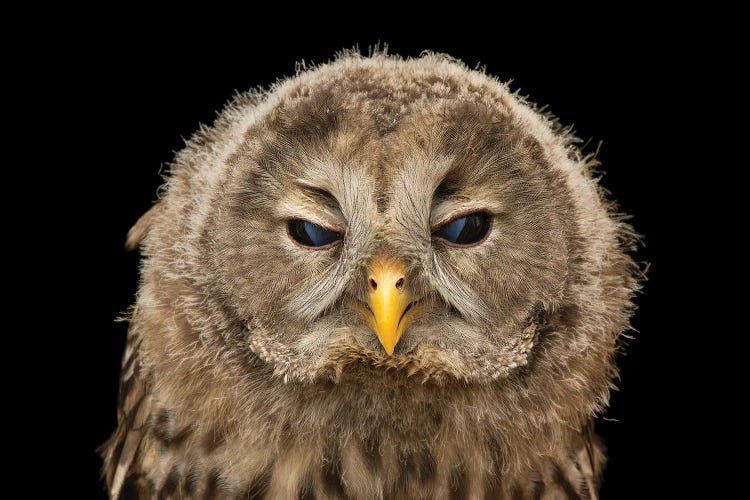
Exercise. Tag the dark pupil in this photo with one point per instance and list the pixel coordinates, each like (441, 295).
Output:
(465, 230)
(311, 235)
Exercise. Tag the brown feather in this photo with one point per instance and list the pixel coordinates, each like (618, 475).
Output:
(248, 372)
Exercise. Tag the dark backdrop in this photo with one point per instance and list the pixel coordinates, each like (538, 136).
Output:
(134, 106)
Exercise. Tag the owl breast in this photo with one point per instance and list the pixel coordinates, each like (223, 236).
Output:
(330, 449)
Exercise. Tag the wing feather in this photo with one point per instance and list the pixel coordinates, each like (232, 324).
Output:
(122, 450)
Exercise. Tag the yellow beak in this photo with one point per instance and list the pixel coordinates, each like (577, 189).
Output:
(389, 300)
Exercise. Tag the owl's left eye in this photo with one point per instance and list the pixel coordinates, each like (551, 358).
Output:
(312, 235)
(464, 231)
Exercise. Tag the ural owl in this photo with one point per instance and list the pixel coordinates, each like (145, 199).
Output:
(381, 278)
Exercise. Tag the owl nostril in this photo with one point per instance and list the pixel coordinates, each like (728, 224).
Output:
(400, 284)
(373, 284)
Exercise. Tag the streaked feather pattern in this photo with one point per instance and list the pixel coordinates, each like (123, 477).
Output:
(247, 371)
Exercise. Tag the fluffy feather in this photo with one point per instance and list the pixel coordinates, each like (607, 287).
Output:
(247, 373)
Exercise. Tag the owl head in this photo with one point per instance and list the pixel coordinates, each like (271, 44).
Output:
(379, 214)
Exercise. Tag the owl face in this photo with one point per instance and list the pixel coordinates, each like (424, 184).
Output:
(395, 223)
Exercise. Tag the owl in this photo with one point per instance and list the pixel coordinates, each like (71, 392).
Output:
(382, 278)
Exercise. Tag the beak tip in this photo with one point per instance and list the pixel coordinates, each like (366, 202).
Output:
(388, 347)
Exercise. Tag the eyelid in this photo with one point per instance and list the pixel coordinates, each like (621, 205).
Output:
(320, 223)
(449, 210)
(457, 215)
(313, 248)
(302, 208)
(290, 212)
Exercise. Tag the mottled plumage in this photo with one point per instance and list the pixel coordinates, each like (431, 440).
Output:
(252, 369)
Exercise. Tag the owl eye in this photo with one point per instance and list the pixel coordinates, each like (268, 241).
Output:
(467, 230)
(312, 235)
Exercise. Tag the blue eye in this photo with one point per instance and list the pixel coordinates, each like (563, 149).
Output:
(312, 235)
(466, 230)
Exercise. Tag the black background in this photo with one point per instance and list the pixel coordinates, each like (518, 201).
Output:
(129, 110)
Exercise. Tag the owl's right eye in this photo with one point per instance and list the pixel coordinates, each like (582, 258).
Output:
(312, 235)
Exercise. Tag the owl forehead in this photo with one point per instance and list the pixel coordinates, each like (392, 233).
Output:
(382, 140)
